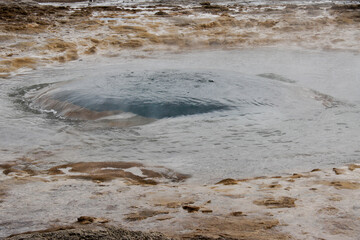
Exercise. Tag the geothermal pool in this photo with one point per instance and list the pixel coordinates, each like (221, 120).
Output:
(209, 114)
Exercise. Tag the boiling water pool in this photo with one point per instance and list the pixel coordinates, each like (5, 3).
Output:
(210, 114)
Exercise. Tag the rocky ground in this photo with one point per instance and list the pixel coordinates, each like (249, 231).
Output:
(73, 233)
(314, 205)
(33, 34)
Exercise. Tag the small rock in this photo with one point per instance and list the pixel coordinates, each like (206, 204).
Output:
(237, 214)
(206, 211)
(191, 209)
(296, 175)
(85, 219)
(88, 220)
(338, 171)
(228, 181)
(282, 202)
(161, 13)
(205, 3)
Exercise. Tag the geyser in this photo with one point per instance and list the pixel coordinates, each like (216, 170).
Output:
(149, 94)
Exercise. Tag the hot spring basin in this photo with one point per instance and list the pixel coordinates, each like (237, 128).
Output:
(159, 94)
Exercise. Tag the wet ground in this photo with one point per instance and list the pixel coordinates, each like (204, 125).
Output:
(130, 113)
(275, 120)
(33, 35)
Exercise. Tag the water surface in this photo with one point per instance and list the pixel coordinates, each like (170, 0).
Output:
(214, 114)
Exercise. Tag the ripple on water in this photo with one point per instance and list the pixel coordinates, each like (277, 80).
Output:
(208, 114)
(144, 95)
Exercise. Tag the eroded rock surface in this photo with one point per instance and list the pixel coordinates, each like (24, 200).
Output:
(33, 34)
(278, 207)
(107, 233)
